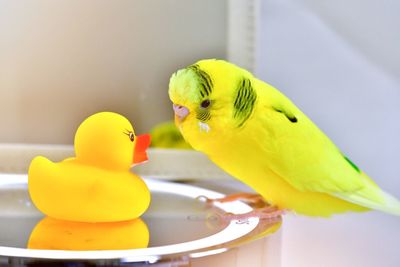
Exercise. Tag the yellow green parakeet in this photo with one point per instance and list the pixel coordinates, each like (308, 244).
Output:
(256, 134)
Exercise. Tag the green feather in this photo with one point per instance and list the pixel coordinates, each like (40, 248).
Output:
(352, 164)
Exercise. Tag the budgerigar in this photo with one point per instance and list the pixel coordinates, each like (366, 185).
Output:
(256, 134)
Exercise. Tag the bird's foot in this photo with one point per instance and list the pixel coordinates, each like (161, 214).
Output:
(271, 214)
(253, 200)
(261, 209)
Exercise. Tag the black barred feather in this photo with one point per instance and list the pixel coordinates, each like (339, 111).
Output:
(244, 102)
(204, 80)
(203, 115)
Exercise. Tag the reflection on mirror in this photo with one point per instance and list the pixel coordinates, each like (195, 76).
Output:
(51, 233)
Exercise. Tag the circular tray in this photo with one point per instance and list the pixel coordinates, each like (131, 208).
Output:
(181, 227)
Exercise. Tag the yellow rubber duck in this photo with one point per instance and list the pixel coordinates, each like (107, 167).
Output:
(96, 185)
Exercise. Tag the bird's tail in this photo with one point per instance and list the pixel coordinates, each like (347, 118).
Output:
(392, 205)
(371, 196)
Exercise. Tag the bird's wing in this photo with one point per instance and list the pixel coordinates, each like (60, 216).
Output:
(303, 155)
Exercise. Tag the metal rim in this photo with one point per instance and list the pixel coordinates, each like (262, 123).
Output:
(233, 231)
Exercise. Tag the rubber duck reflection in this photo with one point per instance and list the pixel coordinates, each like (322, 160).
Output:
(56, 234)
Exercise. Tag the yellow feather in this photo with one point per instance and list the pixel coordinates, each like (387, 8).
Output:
(259, 136)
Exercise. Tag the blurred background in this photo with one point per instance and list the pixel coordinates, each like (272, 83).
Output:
(61, 61)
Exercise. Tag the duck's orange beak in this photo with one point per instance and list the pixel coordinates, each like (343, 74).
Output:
(142, 143)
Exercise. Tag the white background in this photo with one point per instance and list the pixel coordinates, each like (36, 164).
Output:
(61, 61)
(339, 62)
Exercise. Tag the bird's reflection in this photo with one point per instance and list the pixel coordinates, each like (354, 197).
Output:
(51, 233)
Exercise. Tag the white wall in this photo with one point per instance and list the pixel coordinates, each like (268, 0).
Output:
(355, 99)
(61, 61)
(339, 62)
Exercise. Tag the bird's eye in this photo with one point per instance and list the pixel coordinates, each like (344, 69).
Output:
(131, 136)
(205, 104)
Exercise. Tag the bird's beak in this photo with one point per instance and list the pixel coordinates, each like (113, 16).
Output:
(142, 143)
(180, 111)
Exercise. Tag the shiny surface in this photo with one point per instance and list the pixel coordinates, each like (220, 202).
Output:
(178, 224)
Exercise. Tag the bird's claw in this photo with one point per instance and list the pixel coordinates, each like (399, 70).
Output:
(261, 209)
(270, 213)
(253, 200)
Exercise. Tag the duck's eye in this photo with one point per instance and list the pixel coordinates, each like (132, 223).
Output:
(131, 136)
(205, 104)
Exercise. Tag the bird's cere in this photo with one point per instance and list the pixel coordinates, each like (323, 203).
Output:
(180, 111)
(204, 127)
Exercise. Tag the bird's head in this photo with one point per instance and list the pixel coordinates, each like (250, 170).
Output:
(209, 100)
(107, 139)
